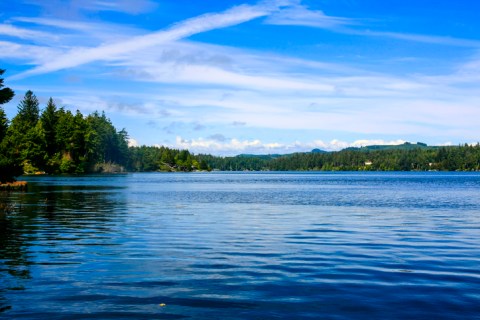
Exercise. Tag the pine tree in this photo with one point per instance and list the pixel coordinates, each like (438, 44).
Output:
(3, 124)
(25, 135)
(49, 119)
(9, 165)
(28, 111)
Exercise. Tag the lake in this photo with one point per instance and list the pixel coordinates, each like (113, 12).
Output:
(243, 246)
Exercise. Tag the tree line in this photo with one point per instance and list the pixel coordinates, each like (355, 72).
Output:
(59, 141)
(55, 141)
(421, 158)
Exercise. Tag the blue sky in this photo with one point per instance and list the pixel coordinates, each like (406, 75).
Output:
(273, 76)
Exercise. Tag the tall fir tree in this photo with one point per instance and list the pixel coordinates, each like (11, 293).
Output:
(28, 111)
(9, 164)
(49, 119)
(25, 134)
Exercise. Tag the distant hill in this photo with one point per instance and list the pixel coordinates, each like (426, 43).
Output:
(260, 156)
(405, 146)
(404, 157)
(274, 156)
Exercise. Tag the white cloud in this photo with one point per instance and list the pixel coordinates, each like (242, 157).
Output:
(12, 31)
(208, 75)
(132, 142)
(62, 24)
(256, 146)
(34, 54)
(186, 28)
(360, 105)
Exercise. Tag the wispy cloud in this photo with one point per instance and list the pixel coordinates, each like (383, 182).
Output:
(447, 41)
(101, 30)
(127, 6)
(300, 15)
(21, 33)
(62, 24)
(32, 53)
(203, 23)
(69, 7)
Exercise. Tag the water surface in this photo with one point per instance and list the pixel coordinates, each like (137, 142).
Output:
(243, 246)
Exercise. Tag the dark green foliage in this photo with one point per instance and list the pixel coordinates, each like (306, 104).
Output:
(405, 146)
(104, 143)
(49, 120)
(3, 124)
(58, 141)
(163, 159)
(28, 112)
(25, 134)
(403, 158)
(9, 165)
(86, 144)
(6, 94)
(238, 163)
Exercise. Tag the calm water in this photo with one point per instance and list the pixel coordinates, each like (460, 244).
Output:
(243, 246)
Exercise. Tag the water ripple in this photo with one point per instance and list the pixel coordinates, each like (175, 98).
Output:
(243, 246)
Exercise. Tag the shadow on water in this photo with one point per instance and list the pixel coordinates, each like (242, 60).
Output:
(47, 213)
(14, 264)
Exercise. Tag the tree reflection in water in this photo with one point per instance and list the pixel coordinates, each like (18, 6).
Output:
(33, 223)
(14, 264)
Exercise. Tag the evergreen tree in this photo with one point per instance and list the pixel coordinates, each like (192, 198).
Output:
(122, 153)
(67, 141)
(9, 164)
(49, 119)
(3, 124)
(6, 94)
(61, 161)
(28, 111)
(104, 143)
(25, 137)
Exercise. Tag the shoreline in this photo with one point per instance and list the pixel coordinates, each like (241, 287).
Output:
(14, 186)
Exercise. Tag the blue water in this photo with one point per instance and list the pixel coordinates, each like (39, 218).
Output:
(243, 246)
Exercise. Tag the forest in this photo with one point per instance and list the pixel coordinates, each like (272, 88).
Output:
(409, 157)
(56, 141)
